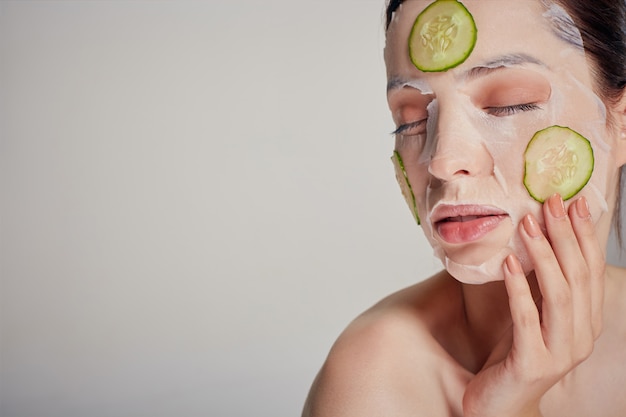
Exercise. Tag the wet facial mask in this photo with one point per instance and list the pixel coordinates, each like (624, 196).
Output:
(501, 145)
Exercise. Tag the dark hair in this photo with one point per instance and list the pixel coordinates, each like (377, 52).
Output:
(602, 26)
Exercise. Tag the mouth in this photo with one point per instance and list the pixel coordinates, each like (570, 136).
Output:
(457, 224)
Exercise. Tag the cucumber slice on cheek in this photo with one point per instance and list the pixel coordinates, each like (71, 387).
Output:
(557, 160)
(442, 37)
(405, 186)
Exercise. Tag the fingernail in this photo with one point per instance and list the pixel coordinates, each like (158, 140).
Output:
(557, 208)
(582, 208)
(531, 227)
(513, 265)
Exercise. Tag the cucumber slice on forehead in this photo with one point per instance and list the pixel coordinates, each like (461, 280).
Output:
(557, 160)
(442, 37)
(405, 186)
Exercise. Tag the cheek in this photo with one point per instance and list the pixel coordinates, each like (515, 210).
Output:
(411, 150)
(411, 174)
(584, 112)
(601, 185)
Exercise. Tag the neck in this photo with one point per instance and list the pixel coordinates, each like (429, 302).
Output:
(488, 317)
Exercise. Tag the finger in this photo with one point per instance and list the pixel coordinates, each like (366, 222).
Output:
(593, 254)
(566, 247)
(565, 243)
(527, 336)
(556, 311)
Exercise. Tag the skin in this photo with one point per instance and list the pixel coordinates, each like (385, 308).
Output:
(541, 341)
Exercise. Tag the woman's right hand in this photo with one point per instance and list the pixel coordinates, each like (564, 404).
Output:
(550, 338)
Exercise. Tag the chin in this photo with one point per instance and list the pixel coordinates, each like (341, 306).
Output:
(490, 270)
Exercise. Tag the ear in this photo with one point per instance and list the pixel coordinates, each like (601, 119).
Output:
(619, 112)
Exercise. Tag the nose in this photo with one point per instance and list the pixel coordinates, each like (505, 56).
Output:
(459, 150)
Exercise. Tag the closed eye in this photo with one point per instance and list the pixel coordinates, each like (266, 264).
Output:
(509, 110)
(411, 129)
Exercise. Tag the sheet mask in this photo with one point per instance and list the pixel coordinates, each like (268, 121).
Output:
(420, 85)
(497, 136)
(431, 126)
(563, 22)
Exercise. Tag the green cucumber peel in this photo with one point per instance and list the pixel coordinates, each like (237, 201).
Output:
(442, 37)
(405, 185)
(557, 160)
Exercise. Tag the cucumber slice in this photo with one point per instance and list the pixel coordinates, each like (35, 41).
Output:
(557, 160)
(405, 186)
(442, 37)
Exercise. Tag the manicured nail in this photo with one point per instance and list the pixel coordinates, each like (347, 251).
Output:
(557, 208)
(513, 265)
(582, 208)
(531, 226)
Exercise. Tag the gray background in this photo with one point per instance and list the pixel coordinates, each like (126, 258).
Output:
(196, 198)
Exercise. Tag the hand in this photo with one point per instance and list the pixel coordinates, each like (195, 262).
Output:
(552, 338)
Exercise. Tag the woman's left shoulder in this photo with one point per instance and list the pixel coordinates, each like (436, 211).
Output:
(615, 300)
(616, 272)
(616, 283)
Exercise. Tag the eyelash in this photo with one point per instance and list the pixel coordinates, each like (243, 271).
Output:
(509, 110)
(402, 129)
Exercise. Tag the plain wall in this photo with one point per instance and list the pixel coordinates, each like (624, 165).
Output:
(196, 198)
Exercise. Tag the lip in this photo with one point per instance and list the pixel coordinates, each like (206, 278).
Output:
(457, 224)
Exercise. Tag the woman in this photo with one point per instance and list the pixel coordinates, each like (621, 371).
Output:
(526, 319)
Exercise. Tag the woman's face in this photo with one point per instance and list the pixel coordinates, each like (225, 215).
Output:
(462, 133)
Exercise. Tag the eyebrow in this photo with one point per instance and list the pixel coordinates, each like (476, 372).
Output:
(500, 63)
(481, 70)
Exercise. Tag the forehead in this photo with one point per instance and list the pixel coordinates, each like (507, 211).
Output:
(504, 27)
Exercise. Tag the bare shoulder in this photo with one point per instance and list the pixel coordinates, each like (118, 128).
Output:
(612, 364)
(615, 297)
(386, 362)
